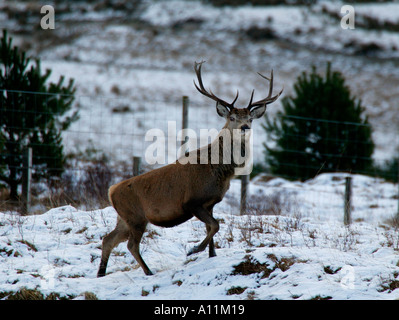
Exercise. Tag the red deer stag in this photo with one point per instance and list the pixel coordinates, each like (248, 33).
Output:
(173, 194)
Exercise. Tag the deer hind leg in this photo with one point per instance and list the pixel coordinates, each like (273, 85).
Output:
(135, 235)
(212, 226)
(212, 252)
(110, 241)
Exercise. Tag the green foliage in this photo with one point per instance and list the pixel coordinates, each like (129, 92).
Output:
(33, 113)
(321, 129)
(389, 170)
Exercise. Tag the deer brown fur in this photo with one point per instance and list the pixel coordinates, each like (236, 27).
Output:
(175, 193)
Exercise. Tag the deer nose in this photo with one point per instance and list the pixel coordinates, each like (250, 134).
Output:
(245, 127)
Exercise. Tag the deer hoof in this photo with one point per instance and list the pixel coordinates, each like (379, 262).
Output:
(193, 250)
(100, 273)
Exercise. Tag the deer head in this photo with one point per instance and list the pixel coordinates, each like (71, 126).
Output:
(237, 118)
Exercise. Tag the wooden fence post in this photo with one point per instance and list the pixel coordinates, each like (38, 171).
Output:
(184, 124)
(26, 180)
(244, 190)
(348, 202)
(136, 166)
(397, 214)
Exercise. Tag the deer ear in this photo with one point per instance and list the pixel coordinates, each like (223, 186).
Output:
(258, 111)
(222, 110)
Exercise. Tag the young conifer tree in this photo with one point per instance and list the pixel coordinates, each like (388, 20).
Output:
(322, 128)
(33, 113)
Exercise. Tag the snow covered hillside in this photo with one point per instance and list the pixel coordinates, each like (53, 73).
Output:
(133, 66)
(301, 251)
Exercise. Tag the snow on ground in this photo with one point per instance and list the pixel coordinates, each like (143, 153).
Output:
(304, 252)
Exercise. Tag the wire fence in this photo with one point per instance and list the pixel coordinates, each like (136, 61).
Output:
(308, 146)
(111, 130)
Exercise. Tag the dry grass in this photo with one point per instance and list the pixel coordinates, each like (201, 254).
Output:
(235, 290)
(35, 294)
(251, 266)
(84, 184)
(90, 296)
(30, 246)
(278, 203)
(88, 186)
(259, 206)
(319, 297)
(391, 285)
(32, 294)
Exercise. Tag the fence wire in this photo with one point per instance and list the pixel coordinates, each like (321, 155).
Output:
(100, 145)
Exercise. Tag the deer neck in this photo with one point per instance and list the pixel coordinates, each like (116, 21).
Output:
(225, 154)
(230, 150)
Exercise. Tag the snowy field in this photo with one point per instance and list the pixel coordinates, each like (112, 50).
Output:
(131, 72)
(303, 251)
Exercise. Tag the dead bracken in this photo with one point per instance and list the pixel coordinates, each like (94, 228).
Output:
(250, 265)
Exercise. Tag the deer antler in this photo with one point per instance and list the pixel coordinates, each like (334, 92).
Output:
(269, 98)
(201, 89)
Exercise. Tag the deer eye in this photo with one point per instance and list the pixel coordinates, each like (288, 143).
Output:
(250, 120)
(232, 119)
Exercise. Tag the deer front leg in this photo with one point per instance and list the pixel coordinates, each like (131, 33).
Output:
(212, 226)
